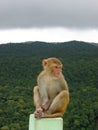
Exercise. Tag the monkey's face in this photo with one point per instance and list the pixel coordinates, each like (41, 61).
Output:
(56, 70)
(52, 66)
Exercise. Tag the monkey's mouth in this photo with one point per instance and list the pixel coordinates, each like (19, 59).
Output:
(57, 74)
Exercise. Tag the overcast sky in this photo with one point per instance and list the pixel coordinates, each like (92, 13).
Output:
(48, 20)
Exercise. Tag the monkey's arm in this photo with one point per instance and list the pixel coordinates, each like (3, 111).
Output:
(44, 97)
(43, 91)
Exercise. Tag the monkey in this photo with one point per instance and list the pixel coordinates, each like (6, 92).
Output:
(51, 95)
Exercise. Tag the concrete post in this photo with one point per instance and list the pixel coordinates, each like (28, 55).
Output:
(45, 123)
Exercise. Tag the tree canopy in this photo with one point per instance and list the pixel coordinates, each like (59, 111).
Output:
(20, 63)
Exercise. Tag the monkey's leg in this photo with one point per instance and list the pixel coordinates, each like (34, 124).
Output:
(37, 102)
(59, 105)
(37, 99)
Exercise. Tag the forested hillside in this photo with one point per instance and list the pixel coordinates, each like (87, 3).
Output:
(20, 63)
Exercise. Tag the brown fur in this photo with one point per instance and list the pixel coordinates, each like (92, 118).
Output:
(51, 95)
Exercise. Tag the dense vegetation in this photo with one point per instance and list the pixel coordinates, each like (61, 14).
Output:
(19, 66)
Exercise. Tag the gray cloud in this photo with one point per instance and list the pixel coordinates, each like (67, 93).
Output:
(48, 13)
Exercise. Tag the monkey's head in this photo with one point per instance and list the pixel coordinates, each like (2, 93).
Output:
(52, 66)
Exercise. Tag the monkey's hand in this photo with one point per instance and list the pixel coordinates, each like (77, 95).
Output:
(46, 105)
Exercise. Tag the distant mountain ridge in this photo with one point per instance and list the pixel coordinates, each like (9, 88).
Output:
(68, 50)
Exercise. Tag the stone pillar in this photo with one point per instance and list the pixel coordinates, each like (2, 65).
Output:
(45, 123)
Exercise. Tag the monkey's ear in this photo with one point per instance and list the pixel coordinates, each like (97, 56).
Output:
(44, 63)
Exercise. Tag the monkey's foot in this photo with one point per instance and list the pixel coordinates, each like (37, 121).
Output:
(38, 113)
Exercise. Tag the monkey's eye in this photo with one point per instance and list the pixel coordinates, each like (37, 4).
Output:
(56, 67)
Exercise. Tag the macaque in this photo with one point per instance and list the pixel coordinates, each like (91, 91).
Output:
(51, 95)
